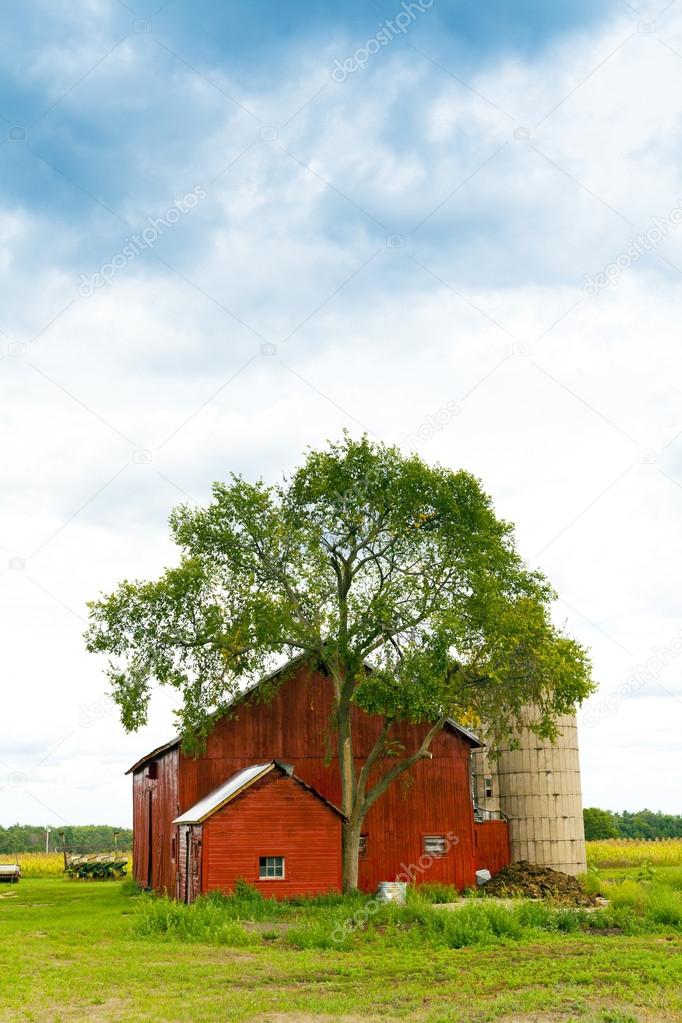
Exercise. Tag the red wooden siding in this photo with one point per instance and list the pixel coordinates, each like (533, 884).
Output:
(433, 798)
(491, 844)
(295, 727)
(274, 817)
(158, 798)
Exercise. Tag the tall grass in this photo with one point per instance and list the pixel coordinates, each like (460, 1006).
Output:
(344, 923)
(626, 852)
(206, 921)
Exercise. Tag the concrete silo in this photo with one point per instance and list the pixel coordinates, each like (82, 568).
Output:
(537, 788)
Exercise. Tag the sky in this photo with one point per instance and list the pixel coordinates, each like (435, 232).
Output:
(228, 231)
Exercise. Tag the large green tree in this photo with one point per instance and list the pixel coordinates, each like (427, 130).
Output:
(392, 575)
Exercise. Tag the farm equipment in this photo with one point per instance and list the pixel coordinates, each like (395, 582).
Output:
(104, 866)
(10, 872)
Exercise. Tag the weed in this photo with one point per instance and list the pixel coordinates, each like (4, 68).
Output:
(130, 888)
(437, 892)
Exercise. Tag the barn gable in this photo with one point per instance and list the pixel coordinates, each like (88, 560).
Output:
(237, 784)
(254, 691)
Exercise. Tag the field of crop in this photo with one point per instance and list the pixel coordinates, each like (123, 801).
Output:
(72, 952)
(40, 864)
(631, 852)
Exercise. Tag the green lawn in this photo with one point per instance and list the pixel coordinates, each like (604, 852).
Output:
(71, 951)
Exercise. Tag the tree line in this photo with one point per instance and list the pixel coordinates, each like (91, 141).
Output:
(87, 838)
(600, 824)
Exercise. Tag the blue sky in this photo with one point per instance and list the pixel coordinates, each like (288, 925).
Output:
(371, 249)
(109, 97)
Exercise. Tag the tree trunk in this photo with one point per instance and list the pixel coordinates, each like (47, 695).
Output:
(351, 828)
(346, 758)
(350, 846)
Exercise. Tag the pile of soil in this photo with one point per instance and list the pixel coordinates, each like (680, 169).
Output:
(531, 881)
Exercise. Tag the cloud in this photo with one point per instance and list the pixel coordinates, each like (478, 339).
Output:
(404, 242)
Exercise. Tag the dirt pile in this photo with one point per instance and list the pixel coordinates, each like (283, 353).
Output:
(531, 881)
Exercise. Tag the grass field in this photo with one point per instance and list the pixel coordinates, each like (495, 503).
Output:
(74, 951)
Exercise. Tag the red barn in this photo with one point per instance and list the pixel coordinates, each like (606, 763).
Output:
(199, 824)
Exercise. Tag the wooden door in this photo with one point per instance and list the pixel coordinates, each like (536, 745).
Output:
(195, 864)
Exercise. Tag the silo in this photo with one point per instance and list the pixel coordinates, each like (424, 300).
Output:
(539, 793)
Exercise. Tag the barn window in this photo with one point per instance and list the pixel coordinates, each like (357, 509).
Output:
(270, 867)
(488, 787)
(362, 848)
(173, 847)
(435, 845)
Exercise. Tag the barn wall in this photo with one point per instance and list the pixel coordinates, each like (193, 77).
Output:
(140, 829)
(274, 817)
(491, 845)
(433, 798)
(159, 797)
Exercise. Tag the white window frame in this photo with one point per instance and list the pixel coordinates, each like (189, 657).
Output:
(426, 839)
(264, 866)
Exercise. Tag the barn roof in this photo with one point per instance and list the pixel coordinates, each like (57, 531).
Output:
(240, 781)
(176, 740)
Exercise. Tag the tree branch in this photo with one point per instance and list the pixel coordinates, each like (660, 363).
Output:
(422, 753)
(372, 757)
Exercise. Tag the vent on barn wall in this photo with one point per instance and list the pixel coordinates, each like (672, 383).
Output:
(153, 770)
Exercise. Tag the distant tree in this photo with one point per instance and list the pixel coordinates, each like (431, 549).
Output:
(363, 555)
(599, 823)
(90, 838)
(648, 824)
(645, 824)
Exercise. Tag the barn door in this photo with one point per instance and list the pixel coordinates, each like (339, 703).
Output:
(183, 862)
(189, 872)
(194, 873)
